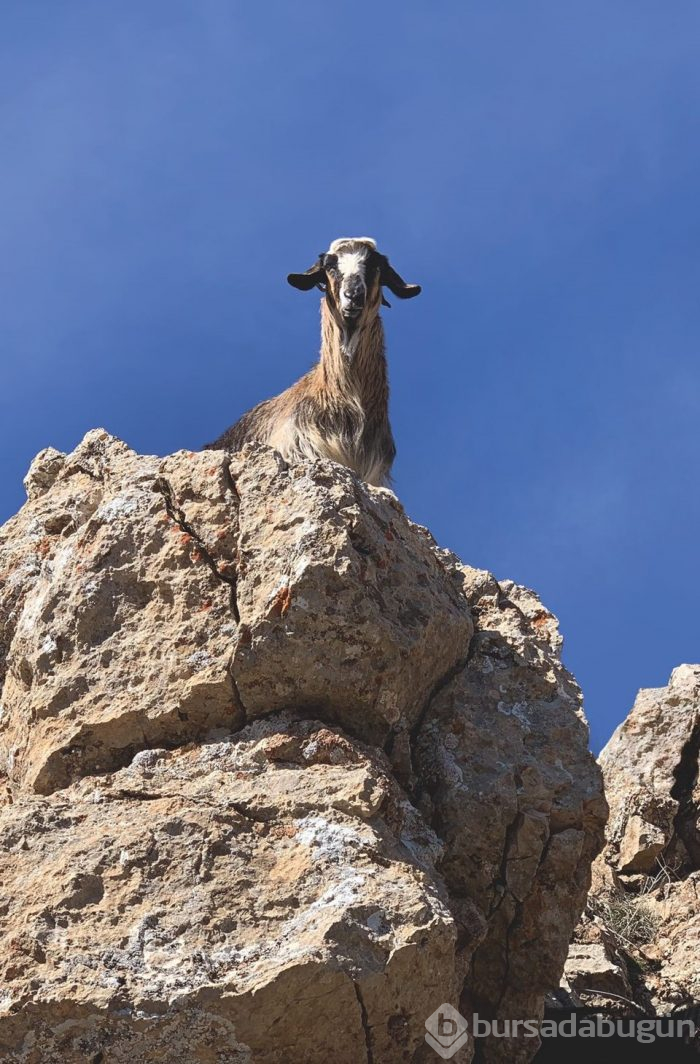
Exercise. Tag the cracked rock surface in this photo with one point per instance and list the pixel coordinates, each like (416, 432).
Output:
(643, 913)
(280, 775)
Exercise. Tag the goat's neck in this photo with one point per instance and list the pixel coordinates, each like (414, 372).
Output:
(355, 364)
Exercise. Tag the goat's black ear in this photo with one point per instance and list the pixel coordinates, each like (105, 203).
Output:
(310, 278)
(389, 277)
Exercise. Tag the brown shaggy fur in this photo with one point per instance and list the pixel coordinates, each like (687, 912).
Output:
(340, 408)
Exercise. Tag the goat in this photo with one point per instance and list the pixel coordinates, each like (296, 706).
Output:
(340, 408)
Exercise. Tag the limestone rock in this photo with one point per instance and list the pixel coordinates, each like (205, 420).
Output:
(645, 897)
(674, 978)
(643, 768)
(281, 776)
(591, 967)
(641, 845)
(121, 632)
(235, 887)
(504, 759)
(337, 570)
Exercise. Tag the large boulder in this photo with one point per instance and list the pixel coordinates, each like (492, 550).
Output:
(281, 776)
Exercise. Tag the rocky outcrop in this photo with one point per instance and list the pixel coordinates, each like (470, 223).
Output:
(650, 766)
(281, 776)
(643, 913)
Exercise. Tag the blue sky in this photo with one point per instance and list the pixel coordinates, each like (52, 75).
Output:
(534, 166)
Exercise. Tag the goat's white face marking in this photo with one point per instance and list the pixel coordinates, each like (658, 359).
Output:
(352, 262)
(353, 285)
(352, 293)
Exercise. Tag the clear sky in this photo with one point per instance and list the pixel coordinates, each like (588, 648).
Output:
(535, 166)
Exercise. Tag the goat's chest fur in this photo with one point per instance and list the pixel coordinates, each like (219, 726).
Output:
(338, 410)
(340, 428)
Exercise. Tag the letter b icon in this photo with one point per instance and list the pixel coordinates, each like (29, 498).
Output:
(447, 1028)
(446, 1031)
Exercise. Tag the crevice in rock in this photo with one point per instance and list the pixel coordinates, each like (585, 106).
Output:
(685, 822)
(236, 695)
(231, 483)
(365, 1023)
(437, 689)
(91, 755)
(176, 514)
(77, 468)
(511, 928)
(141, 796)
(500, 882)
(415, 730)
(545, 849)
(239, 808)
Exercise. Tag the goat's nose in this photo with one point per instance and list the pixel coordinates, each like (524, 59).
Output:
(354, 294)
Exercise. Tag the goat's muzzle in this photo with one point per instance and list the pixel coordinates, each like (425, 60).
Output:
(352, 299)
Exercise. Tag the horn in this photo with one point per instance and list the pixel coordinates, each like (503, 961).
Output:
(389, 277)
